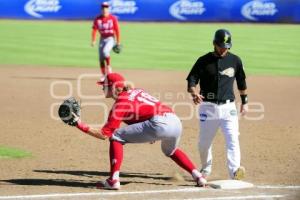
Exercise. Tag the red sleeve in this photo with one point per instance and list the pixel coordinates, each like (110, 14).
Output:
(95, 25)
(115, 117)
(116, 29)
(94, 34)
(94, 30)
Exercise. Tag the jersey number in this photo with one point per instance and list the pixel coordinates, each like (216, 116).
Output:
(147, 99)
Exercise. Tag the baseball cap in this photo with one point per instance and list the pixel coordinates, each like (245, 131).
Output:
(105, 4)
(113, 79)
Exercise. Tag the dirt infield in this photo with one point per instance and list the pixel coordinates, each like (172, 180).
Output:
(65, 160)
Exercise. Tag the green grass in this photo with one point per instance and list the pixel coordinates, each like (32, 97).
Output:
(8, 152)
(264, 48)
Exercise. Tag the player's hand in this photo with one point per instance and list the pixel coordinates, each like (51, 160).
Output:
(197, 98)
(102, 137)
(76, 118)
(244, 109)
(93, 43)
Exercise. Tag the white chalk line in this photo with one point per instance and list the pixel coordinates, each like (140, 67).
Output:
(102, 193)
(237, 197)
(179, 190)
(278, 186)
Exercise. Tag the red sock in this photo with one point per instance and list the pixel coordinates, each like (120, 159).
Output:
(102, 67)
(183, 161)
(108, 67)
(107, 59)
(103, 70)
(116, 158)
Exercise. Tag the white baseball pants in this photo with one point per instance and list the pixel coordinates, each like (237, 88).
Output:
(213, 116)
(105, 47)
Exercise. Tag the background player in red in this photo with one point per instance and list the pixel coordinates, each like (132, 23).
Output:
(107, 26)
(148, 120)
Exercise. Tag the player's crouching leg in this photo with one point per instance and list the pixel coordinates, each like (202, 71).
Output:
(181, 159)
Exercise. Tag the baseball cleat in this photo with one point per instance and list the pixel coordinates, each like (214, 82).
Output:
(239, 174)
(109, 184)
(102, 78)
(201, 181)
(204, 173)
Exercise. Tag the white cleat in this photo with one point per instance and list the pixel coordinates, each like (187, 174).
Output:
(109, 184)
(102, 78)
(201, 181)
(204, 173)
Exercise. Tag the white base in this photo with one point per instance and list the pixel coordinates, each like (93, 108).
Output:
(229, 184)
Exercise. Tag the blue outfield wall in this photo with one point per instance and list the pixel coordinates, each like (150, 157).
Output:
(286, 11)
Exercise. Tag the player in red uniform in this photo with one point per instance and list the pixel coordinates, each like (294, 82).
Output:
(148, 120)
(107, 26)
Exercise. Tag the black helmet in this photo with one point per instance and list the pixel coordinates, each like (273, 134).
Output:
(223, 38)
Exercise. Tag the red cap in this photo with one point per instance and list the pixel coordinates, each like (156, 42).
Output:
(105, 4)
(113, 79)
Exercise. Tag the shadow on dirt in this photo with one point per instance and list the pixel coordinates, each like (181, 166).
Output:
(51, 182)
(156, 176)
(65, 183)
(85, 183)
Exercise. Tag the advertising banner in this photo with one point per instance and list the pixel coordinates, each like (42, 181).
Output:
(268, 11)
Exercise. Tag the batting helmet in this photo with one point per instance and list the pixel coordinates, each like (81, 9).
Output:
(223, 38)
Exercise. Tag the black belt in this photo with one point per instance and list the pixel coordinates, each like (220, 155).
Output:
(219, 102)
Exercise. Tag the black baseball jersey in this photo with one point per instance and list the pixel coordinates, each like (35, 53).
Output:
(217, 75)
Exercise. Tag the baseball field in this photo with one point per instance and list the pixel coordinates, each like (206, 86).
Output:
(44, 62)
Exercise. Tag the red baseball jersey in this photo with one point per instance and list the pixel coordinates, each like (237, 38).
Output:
(107, 26)
(131, 107)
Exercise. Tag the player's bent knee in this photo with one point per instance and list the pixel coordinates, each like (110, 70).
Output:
(106, 54)
(169, 145)
(115, 137)
(168, 151)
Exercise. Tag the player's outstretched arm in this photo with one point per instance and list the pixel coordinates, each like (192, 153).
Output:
(90, 131)
(96, 133)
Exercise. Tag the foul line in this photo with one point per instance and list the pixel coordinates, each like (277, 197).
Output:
(179, 190)
(238, 197)
(102, 193)
(278, 186)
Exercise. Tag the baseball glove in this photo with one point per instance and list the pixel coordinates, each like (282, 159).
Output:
(69, 111)
(117, 48)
